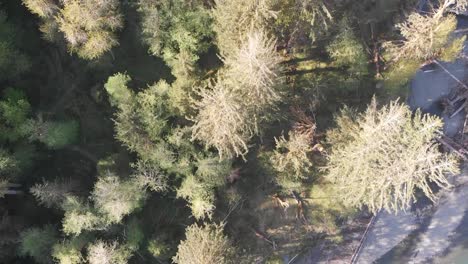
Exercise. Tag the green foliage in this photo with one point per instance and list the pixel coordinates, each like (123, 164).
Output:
(213, 171)
(177, 30)
(205, 244)
(134, 234)
(79, 216)
(8, 164)
(88, 26)
(380, 157)
(60, 134)
(452, 51)
(69, 251)
(37, 243)
(116, 87)
(12, 61)
(302, 19)
(400, 73)
(158, 249)
(14, 111)
(423, 38)
(328, 208)
(346, 50)
(199, 195)
(291, 159)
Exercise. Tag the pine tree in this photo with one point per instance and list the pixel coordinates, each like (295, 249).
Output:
(231, 108)
(205, 244)
(79, 216)
(424, 37)
(37, 243)
(179, 31)
(199, 195)
(223, 121)
(381, 157)
(252, 72)
(69, 251)
(291, 159)
(116, 198)
(88, 26)
(233, 20)
(52, 194)
(101, 252)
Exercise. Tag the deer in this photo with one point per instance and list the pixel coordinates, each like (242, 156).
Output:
(281, 203)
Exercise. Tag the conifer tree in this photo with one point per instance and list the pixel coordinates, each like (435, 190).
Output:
(233, 20)
(424, 37)
(53, 193)
(179, 31)
(79, 216)
(88, 26)
(101, 252)
(37, 243)
(116, 198)
(68, 251)
(291, 159)
(381, 157)
(205, 244)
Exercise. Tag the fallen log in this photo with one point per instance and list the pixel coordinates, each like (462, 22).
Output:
(461, 152)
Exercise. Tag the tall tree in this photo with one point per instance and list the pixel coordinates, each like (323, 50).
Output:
(37, 243)
(116, 198)
(205, 244)
(177, 30)
(102, 252)
(233, 20)
(381, 157)
(231, 108)
(424, 37)
(88, 26)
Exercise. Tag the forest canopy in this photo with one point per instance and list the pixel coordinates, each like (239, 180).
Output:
(219, 131)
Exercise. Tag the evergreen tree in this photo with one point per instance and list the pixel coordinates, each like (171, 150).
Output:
(52, 194)
(205, 244)
(14, 112)
(233, 20)
(347, 51)
(69, 251)
(301, 21)
(231, 108)
(177, 30)
(54, 134)
(13, 62)
(116, 198)
(88, 26)
(381, 157)
(37, 243)
(101, 252)
(199, 195)
(79, 216)
(291, 159)
(424, 37)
